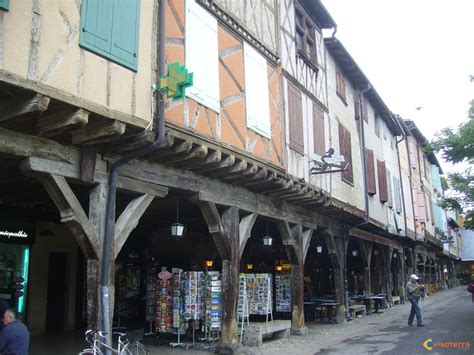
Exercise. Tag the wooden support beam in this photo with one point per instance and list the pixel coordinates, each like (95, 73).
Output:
(178, 150)
(132, 142)
(22, 106)
(242, 176)
(98, 132)
(128, 220)
(223, 164)
(72, 214)
(233, 170)
(88, 162)
(197, 153)
(212, 159)
(56, 123)
(33, 166)
(245, 229)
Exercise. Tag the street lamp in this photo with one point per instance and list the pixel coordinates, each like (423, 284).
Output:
(319, 249)
(355, 252)
(267, 239)
(177, 229)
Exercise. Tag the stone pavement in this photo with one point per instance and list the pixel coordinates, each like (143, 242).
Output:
(449, 316)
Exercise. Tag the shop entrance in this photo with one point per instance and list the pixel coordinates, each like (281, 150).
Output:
(57, 290)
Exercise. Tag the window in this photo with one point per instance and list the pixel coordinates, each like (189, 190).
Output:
(356, 106)
(366, 110)
(377, 125)
(295, 118)
(369, 162)
(382, 175)
(4, 5)
(412, 152)
(421, 206)
(318, 130)
(389, 188)
(341, 87)
(256, 91)
(305, 37)
(202, 57)
(346, 151)
(110, 29)
(398, 196)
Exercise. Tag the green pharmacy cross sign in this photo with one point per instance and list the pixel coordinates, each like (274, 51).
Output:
(176, 81)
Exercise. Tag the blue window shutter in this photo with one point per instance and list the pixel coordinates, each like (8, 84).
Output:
(96, 25)
(4, 4)
(125, 26)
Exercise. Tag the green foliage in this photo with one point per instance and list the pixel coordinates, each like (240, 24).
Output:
(444, 183)
(457, 146)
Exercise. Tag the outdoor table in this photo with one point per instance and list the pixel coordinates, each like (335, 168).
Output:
(329, 306)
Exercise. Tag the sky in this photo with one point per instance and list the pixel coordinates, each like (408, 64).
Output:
(416, 53)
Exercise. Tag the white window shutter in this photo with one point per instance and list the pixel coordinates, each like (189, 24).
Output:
(202, 56)
(256, 92)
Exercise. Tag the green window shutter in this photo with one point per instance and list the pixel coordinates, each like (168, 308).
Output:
(125, 26)
(110, 29)
(4, 5)
(96, 25)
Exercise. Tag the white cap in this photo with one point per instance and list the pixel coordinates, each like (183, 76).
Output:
(413, 276)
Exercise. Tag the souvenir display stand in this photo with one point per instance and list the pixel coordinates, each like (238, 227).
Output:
(178, 306)
(212, 312)
(150, 308)
(242, 306)
(164, 302)
(283, 293)
(259, 294)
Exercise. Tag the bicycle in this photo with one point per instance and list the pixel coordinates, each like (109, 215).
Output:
(128, 343)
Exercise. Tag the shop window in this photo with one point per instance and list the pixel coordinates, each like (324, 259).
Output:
(295, 118)
(346, 151)
(305, 37)
(202, 57)
(110, 29)
(256, 91)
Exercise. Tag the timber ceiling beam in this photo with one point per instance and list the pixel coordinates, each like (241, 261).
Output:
(54, 124)
(34, 166)
(98, 132)
(20, 107)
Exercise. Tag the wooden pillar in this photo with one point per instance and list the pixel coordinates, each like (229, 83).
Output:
(366, 252)
(337, 247)
(402, 265)
(388, 255)
(230, 233)
(296, 241)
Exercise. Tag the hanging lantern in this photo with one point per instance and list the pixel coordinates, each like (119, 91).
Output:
(209, 263)
(355, 252)
(279, 268)
(319, 249)
(267, 239)
(177, 229)
(249, 266)
(376, 252)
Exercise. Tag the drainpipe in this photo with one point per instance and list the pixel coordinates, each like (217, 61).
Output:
(159, 127)
(400, 173)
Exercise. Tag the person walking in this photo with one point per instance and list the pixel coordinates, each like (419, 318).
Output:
(470, 288)
(414, 293)
(15, 337)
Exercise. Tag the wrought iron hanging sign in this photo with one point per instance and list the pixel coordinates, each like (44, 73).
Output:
(330, 164)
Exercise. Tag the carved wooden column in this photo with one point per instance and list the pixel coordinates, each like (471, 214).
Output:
(388, 255)
(230, 233)
(296, 241)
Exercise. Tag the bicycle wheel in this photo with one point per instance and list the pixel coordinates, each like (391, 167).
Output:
(134, 348)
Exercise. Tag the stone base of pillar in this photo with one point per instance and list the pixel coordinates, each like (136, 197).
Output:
(299, 331)
(228, 349)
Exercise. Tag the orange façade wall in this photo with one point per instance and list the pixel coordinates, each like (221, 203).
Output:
(228, 128)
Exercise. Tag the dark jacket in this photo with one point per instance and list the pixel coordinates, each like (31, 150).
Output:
(3, 307)
(14, 339)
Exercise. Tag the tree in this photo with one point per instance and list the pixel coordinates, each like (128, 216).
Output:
(457, 147)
